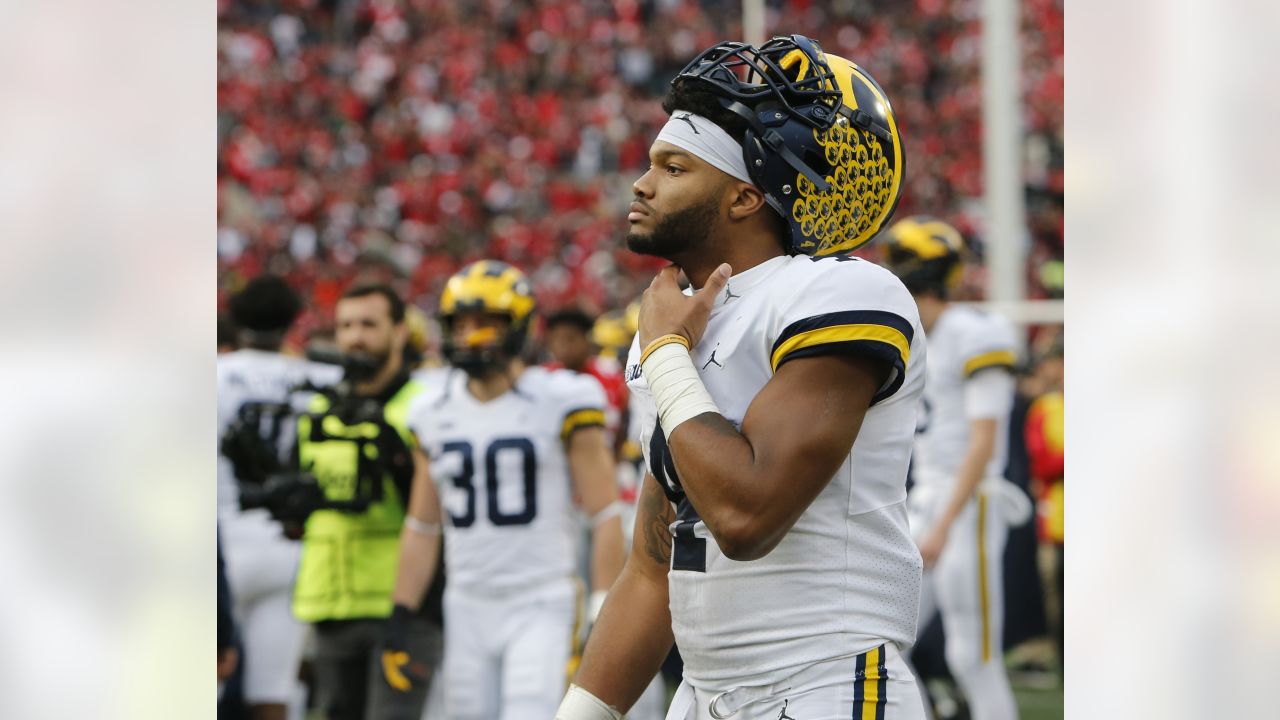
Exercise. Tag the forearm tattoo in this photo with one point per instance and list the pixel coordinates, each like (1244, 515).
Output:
(657, 515)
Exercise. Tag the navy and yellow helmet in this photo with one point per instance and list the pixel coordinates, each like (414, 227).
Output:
(925, 253)
(494, 288)
(822, 141)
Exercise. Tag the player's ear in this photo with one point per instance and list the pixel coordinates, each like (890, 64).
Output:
(745, 200)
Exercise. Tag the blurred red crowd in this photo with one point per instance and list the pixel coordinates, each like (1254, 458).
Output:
(405, 138)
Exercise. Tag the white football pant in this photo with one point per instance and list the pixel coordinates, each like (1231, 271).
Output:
(261, 564)
(507, 657)
(966, 587)
(876, 685)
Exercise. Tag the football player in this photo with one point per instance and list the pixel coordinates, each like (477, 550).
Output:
(569, 337)
(960, 503)
(260, 560)
(569, 340)
(505, 443)
(779, 400)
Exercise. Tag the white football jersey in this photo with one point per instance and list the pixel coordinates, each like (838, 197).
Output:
(259, 376)
(502, 473)
(963, 341)
(846, 577)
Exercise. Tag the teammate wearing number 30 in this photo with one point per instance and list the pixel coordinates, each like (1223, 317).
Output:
(504, 442)
(778, 400)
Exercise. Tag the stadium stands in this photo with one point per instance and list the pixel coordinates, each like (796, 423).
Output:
(404, 138)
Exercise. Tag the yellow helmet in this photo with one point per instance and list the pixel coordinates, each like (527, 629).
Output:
(633, 319)
(614, 330)
(610, 332)
(416, 321)
(489, 287)
(822, 141)
(925, 253)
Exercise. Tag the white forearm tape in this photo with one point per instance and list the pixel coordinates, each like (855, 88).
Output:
(610, 511)
(677, 389)
(421, 526)
(578, 704)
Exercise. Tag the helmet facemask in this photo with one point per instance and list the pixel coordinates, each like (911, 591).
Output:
(486, 350)
(821, 140)
(489, 288)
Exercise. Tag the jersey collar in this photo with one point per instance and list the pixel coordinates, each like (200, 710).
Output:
(743, 282)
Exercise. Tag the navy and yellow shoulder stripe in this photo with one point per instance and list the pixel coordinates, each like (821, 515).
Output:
(877, 333)
(580, 418)
(1002, 358)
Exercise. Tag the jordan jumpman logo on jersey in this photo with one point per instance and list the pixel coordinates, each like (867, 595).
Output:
(712, 360)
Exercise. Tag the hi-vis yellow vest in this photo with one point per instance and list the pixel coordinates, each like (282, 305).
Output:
(348, 565)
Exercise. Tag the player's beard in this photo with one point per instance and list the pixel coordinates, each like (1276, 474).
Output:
(368, 363)
(678, 232)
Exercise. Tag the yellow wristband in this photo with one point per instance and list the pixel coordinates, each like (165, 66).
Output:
(659, 342)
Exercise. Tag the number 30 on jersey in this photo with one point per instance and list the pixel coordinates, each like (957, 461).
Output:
(465, 481)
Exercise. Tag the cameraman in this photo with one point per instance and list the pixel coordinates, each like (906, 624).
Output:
(359, 448)
(260, 561)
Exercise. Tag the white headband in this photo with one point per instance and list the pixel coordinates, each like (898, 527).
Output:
(706, 140)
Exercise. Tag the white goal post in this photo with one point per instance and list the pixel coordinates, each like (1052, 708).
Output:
(1004, 200)
(1025, 312)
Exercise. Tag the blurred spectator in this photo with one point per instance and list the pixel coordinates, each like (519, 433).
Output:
(419, 135)
(1045, 431)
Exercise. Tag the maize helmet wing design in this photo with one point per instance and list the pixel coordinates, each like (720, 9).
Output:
(489, 287)
(925, 253)
(822, 140)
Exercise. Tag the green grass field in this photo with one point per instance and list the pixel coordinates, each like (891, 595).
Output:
(1038, 693)
(1035, 704)
(1035, 701)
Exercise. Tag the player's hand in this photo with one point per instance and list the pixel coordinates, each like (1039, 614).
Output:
(399, 669)
(665, 310)
(931, 545)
